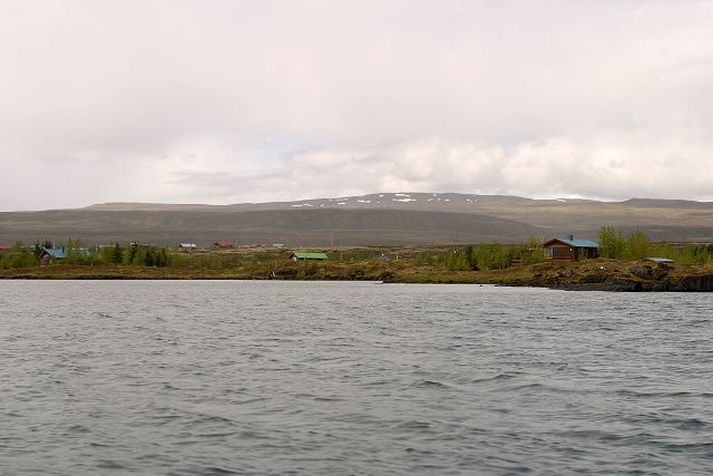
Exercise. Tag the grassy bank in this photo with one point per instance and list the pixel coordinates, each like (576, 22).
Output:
(513, 265)
(265, 266)
(402, 265)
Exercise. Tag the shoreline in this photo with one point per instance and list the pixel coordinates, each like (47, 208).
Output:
(589, 275)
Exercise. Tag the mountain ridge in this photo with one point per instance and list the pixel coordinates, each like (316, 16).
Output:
(380, 218)
(387, 199)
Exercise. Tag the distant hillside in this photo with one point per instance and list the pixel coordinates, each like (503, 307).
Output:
(451, 202)
(295, 227)
(387, 218)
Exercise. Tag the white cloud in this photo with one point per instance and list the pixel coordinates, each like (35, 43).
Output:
(261, 100)
(614, 166)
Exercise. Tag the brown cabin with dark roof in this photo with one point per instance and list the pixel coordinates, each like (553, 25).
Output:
(569, 249)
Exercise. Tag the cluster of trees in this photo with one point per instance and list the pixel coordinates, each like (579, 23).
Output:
(495, 256)
(636, 245)
(139, 255)
(132, 254)
(76, 253)
(19, 256)
(615, 245)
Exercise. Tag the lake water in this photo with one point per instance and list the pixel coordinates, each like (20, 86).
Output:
(198, 377)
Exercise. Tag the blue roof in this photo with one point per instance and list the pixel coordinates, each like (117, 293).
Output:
(580, 243)
(55, 252)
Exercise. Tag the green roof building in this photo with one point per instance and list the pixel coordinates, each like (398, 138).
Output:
(299, 255)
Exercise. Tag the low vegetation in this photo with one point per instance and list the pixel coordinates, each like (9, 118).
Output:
(619, 267)
(613, 244)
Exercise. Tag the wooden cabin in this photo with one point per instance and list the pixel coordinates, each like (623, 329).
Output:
(569, 249)
(49, 255)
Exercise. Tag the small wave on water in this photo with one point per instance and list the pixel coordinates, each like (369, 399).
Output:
(103, 315)
(350, 378)
(431, 383)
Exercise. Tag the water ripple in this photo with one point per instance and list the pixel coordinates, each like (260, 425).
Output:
(211, 378)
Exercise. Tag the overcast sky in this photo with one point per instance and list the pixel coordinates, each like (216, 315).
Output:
(244, 101)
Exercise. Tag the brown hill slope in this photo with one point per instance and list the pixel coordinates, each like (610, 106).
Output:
(294, 227)
(398, 218)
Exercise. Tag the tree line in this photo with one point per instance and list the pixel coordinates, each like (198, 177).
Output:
(613, 244)
(485, 257)
(76, 253)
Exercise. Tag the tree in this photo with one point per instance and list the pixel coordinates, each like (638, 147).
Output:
(116, 255)
(19, 256)
(492, 256)
(456, 261)
(132, 251)
(611, 243)
(76, 253)
(149, 257)
(532, 252)
(162, 259)
(637, 245)
(470, 258)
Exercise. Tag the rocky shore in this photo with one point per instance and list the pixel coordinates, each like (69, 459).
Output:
(611, 275)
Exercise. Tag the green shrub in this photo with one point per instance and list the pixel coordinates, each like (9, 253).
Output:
(611, 243)
(637, 245)
(14, 258)
(492, 256)
(531, 252)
